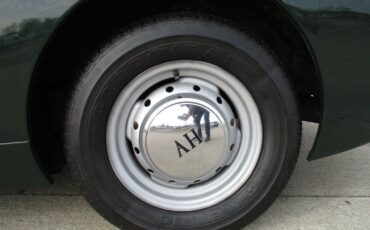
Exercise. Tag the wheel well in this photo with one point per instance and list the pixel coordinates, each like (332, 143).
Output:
(80, 35)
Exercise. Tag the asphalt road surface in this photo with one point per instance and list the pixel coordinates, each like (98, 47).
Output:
(331, 193)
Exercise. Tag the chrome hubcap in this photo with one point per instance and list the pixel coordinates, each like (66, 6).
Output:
(188, 144)
(184, 133)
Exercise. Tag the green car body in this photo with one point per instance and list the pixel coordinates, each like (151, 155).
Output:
(336, 34)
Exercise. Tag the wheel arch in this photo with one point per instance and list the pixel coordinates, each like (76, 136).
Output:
(81, 33)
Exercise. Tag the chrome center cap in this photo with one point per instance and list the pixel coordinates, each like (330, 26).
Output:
(183, 133)
(186, 141)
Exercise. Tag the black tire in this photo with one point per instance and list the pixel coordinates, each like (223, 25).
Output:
(168, 39)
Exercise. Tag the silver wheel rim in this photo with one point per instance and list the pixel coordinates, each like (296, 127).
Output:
(160, 187)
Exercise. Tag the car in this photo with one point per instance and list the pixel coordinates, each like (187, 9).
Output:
(178, 114)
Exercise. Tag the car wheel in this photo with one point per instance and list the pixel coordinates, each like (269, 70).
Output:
(183, 123)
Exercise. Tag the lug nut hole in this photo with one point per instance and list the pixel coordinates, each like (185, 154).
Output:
(150, 171)
(196, 88)
(219, 100)
(169, 89)
(147, 103)
(172, 182)
(137, 151)
(231, 147)
(136, 125)
(232, 122)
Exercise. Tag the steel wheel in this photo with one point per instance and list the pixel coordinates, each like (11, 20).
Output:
(152, 167)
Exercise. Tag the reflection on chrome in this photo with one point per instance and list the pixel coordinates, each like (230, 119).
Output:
(180, 144)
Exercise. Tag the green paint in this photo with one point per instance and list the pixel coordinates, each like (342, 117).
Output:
(25, 27)
(339, 35)
(18, 167)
